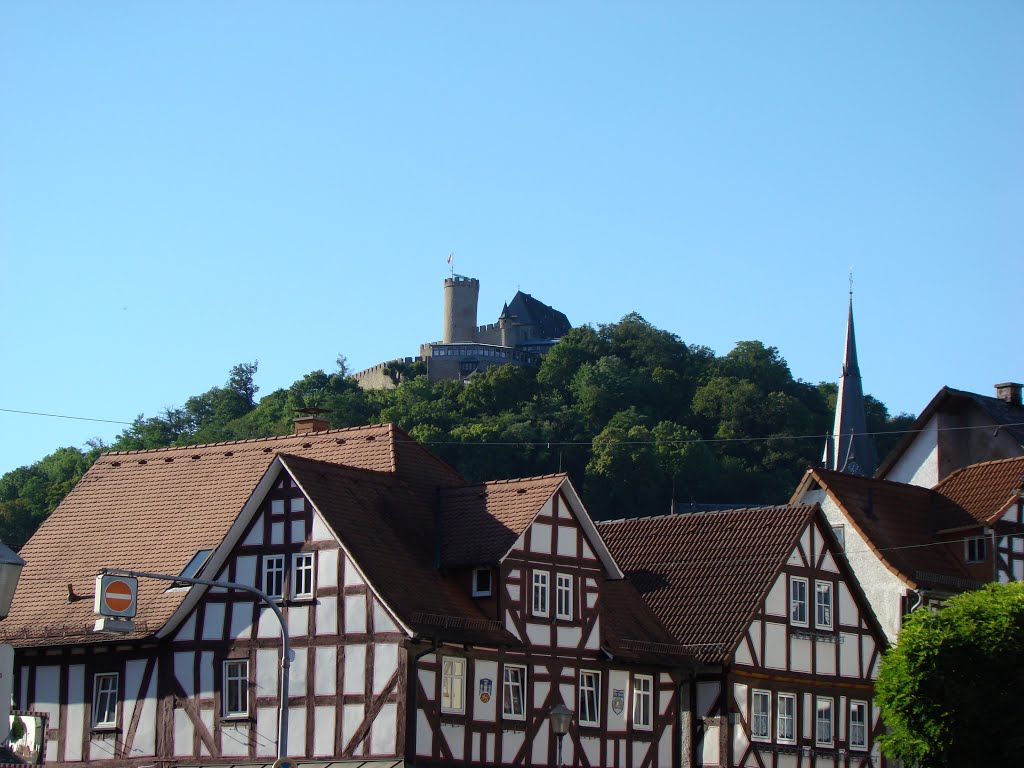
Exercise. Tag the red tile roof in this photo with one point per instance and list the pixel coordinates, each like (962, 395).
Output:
(984, 490)
(388, 528)
(481, 522)
(152, 510)
(899, 522)
(705, 574)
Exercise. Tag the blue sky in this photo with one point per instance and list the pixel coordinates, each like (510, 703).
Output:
(189, 185)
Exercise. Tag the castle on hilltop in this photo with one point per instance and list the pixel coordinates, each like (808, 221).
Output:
(525, 330)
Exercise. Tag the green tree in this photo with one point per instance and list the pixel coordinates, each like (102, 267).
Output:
(950, 689)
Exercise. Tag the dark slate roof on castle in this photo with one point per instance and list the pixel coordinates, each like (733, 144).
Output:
(550, 323)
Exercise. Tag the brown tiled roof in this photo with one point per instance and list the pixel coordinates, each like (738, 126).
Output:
(705, 574)
(481, 522)
(152, 510)
(899, 522)
(983, 490)
(388, 528)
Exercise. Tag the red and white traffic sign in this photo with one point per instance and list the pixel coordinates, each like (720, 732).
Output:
(116, 595)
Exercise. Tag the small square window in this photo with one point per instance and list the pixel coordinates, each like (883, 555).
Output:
(974, 550)
(298, 504)
(481, 582)
(302, 575)
(104, 700)
(236, 688)
(277, 506)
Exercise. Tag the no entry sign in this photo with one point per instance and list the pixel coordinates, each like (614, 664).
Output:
(115, 595)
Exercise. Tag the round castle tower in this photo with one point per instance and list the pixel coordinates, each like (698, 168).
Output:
(460, 300)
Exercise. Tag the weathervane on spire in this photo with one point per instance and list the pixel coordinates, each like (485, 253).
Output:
(451, 257)
(851, 280)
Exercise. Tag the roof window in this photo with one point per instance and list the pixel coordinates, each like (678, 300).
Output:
(191, 569)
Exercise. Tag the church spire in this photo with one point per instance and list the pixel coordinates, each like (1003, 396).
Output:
(849, 448)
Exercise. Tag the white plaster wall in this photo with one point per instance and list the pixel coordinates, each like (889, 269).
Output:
(182, 734)
(323, 731)
(75, 713)
(919, 464)
(881, 586)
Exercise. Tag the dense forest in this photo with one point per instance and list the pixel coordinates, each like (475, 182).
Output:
(636, 416)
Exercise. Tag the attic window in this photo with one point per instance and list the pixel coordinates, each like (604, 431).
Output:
(194, 566)
(168, 459)
(229, 453)
(481, 582)
(143, 461)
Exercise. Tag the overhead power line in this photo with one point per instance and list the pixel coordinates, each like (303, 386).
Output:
(62, 416)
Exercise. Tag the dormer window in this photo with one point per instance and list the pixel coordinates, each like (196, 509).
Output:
(481, 582)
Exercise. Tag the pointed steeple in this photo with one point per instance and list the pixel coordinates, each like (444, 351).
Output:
(849, 448)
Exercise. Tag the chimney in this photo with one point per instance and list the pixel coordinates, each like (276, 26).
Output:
(1009, 393)
(310, 420)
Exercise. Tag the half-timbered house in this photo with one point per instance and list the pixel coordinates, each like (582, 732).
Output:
(911, 546)
(787, 642)
(432, 621)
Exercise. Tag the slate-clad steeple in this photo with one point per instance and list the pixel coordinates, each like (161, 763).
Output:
(849, 448)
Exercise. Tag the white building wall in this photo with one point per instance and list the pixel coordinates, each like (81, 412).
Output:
(884, 590)
(919, 464)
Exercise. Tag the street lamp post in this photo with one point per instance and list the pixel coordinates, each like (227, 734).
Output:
(560, 717)
(282, 715)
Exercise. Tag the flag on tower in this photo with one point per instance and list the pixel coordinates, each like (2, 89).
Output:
(450, 257)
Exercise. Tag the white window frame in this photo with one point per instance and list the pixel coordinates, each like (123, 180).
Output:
(840, 533)
(786, 716)
(820, 721)
(643, 702)
(541, 582)
(104, 688)
(273, 567)
(590, 697)
(477, 590)
(303, 562)
(235, 672)
(760, 715)
(860, 723)
(563, 596)
(513, 679)
(453, 685)
(823, 588)
(975, 550)
(794, 602)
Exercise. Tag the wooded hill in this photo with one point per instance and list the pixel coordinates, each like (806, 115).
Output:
(635, 416)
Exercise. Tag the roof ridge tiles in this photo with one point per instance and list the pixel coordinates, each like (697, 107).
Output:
(703, 512)
(248, 440)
